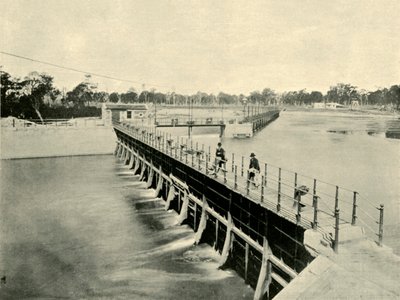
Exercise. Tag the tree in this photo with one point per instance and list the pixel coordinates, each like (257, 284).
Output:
(316, 96)
(100, 97)
(114, 97)
(268, 96)
(255, 97)
(8, 96)
(395, 95)
(225, 98)
(129, 97)
(34, 88)
(342, 93)
(159, 98)
(80, 95)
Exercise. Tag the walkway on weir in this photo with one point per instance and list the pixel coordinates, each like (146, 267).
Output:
(303, 200)
(348, 264)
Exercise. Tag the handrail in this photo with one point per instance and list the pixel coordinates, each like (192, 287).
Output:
(204, 161)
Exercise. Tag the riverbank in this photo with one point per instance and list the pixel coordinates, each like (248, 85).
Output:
(56, 141)
(364, 110)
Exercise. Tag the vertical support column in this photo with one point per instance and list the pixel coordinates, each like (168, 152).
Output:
(247, 183)
(278, 207)
(228, 240)
(314, 189)
(336, 242)
(224, 171)
(262, 188)
(235, 178)
(354, 213)
(337, 198)
(233, 162)
(246, 262)
(242, 166)
(195, 217)
(380, 234)
(186, 152)
(198, 160)
(295, 186)
(315, 205)
(202, 223)
(206, 163)
(298, 216)
(216, 234)
(265, 174)
(176, 147)
(264, 278)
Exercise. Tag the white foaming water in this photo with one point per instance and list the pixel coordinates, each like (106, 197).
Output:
(97, 234)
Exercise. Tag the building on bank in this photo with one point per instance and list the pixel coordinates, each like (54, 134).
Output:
(123, 112)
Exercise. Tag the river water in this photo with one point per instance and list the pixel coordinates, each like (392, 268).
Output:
(84, 227)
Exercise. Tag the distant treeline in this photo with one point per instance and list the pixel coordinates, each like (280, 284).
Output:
(36, 97)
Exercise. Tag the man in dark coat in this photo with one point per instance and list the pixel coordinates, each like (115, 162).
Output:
(220, 158)
(254, 168)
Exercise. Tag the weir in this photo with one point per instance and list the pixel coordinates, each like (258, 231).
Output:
(255, 116)
(265, 234)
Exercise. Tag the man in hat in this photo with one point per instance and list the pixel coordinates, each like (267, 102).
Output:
(254, 169)
(220, 159)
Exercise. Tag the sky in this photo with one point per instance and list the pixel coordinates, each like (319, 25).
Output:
(211, 46)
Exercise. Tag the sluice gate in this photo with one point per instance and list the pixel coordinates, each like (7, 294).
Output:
(262, 241)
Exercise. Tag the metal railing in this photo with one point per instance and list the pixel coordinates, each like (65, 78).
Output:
(304, 200)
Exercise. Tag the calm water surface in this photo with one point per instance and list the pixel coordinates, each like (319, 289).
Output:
(84, 227)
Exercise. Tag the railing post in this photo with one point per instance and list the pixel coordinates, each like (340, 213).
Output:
(192, 157)
(295, 185)
(186, 152)
(224, 174)
(380, 234)
(278, 207)
(233, 162)
(206, 163)
(262, 188)
(298, 216)
(315, 205)
(235, 177)
(247, 183)
(336, 242)
(265, 174)
(198, 159)
(314, 190)
(242, 166)
(176, 147)
(337, 198)
(354, 213)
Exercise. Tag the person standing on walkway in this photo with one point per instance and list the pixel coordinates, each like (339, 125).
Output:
(254, 169)
(220, 158)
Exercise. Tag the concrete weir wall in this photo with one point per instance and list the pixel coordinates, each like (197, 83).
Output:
(49, 142)
(264, 248)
